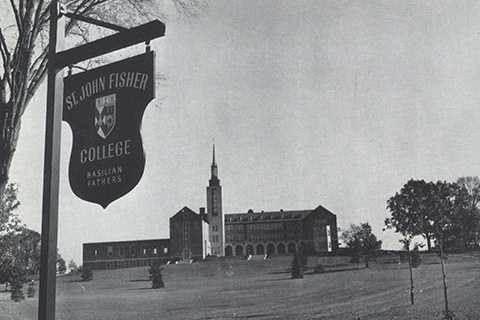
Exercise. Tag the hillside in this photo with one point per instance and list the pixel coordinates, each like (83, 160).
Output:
(262, 289)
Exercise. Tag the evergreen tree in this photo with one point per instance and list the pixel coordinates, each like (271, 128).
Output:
(297, 267)
(16, 291)
(156, 276)
(303, 259)
(17, 280)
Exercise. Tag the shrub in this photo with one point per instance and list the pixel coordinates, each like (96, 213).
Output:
(31, 289)
(297, 268)
(87, 275)
(61, 266)
(318, 269)
(156, 276)
(73, 266)
(449, 315)
(16, 292)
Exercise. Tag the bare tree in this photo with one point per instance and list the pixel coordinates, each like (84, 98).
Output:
(23, 52)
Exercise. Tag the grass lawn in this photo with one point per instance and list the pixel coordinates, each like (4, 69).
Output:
(262, 289)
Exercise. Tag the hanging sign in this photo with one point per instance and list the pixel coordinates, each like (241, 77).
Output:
(104, 108)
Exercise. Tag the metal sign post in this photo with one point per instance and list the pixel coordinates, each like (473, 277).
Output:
(58, 59)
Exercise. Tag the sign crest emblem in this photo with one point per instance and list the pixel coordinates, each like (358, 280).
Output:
(105, 115)
(104, 108)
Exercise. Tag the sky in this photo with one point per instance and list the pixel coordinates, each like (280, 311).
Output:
(332, 103)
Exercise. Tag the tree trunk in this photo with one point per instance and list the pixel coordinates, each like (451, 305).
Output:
(429, 244)
(447, 312)
(9, 133)
(4, 108)
(366, 262)
(411, 278)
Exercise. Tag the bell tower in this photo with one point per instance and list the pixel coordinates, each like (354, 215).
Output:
(214, 212)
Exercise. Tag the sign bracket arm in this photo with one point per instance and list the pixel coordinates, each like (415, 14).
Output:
(94, 21)
(143, 33)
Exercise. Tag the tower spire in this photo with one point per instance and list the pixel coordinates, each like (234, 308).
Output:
(214, 178)
(213, 161)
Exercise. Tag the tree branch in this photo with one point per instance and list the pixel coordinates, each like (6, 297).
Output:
(34, 84)
(6, 58)
(39, 60)
(37, 25)
(18, 19)
(36, 80)
(23, 59)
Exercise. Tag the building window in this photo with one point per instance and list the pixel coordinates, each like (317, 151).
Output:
(95, 253)
(165, 250)
(132, 250)
(155, 249)
(120, 251)
(214, 203)
(186, 254)
(144, 249)
(186, 233)
(110, 251)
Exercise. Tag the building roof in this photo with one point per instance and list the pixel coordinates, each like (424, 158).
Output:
(267, 216)
(263, 216)
(126, 241)
(186, 211)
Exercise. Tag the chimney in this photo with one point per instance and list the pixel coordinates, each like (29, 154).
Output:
(202, 214)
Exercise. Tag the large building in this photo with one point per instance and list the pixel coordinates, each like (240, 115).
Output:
(195, 236)
(281, 232)
(125, 254)
(189, 234)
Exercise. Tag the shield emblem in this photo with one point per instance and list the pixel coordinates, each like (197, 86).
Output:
(105, 115)
(104, 108)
